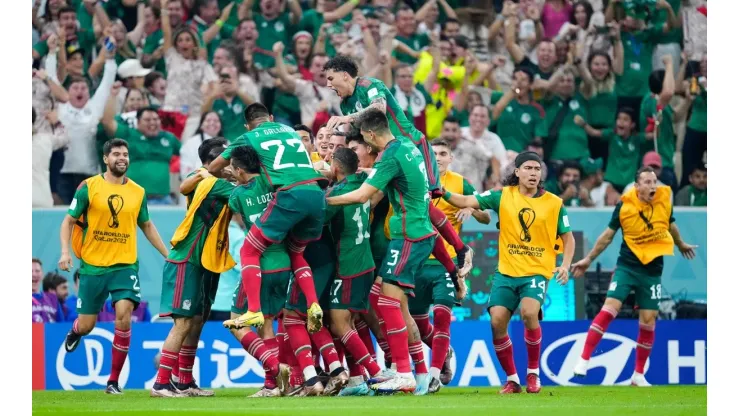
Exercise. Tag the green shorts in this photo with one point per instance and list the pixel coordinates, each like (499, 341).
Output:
(94, 290)
(647, 288)
(320, 256)
(430, 161)
(433, 287)
(404, 261)
(352, 294)
(509, 291)
(298, 212)
(187, 290)
(273, 291)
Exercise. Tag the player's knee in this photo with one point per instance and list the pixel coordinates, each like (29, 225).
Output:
(648, 317)
(499, 323)
(85, 326)
(123, 323)
(183, 325)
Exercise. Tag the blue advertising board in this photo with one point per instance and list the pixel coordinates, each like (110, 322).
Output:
(678, 357)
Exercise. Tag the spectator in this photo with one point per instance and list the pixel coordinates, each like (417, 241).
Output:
(156, 86)
(413, 97)
(451, 132)
(229, 54)
(516, 116)
(226, 99)
(37, 274)
(568, 185)
(578, 24)
(187, 71)
(43, 146)
(652, 160)
(44, 307)
(317, 101)
(80, 117)
(694, 194)
(150, 149)
(406, 26)
(478, 150)
(555, 13)
(209, 26)
(428, 17)
(307, 140)
(326, 11)
(695, 142)
(153, 51)
(210, 127)
(74, 37)
(132, 75)
(546, 56)
(657, 117)
(564, 139)
(127, 41)
(624, 148)
(669, 42)
(450, 28)
(230, 279)
(46, 21)
(274, 24)
(55, 286)
(593, 181)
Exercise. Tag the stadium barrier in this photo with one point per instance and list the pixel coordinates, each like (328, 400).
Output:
(679, 356)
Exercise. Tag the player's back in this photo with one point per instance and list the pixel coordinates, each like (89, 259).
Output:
(350, 227)
(369, 89)
(249, 200)
(408, 190)
(284, 159)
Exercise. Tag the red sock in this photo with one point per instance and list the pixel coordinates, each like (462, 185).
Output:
(364, 332)
(284, 351)
(441, 337)
(254, 244)
(340, 349)
(383, 336)
(315, 354)
(425, 327)
(645, 339)
(121, 342)
(176, 370)
(356, 348)
(272, 346)
(355, 369)
(302, 271)
(256, 347)
(597, 329)
(533, 339)
(439, 219)
(186, 362)
(397, 334)
(299, 340)
(324, 341)
(75, 326)
(416, 349)
(441, 254)
(505, 353)
(167, 361)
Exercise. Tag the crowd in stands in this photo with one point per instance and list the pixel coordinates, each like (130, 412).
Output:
(597, 87)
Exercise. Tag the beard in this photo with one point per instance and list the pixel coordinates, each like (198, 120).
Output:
(116, 171)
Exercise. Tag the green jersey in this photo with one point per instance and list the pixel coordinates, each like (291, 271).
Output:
(415, 42)
(638, 62)
(249, 200)
(378, 240)
(150, 158)
(572, 140)
(401, 173)
(273, 31)
(624, 157)
(232, 117)
(190, 248)
(350, 228)
(368, 90)
(153, 41)
(698, 120)
(285, 161)
(518, 123)
(666, 135)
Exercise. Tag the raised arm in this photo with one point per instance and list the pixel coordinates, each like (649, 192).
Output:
(436, 60)
(136, 35)
(215, 28)
(606, 238)
(295, 11)
(166, 26)
(673, 22)
(281, 71)
(57, 91)
(669, 84)
(516, 52)
(340, 11)
(579, 121)
(110, 125)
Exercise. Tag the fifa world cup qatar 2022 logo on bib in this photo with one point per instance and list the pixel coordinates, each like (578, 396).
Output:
(115, 205)
(93, 370)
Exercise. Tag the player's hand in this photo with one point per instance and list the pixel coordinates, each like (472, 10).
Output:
(580, 267)
(561, 275)
(687, 250)
(65, 262)
(462, 289)
(463, 214)
(335, 121)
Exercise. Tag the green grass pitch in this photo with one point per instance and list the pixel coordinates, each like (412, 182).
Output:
(469, 401)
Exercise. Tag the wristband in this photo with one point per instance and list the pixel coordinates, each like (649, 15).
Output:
(219, 23)
(447, 196)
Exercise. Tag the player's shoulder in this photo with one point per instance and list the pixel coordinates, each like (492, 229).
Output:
(547, 195)
(133, 185)
(365, 82)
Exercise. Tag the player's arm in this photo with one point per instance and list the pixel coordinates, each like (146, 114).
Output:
(150, 231)
(188, 184)
(461, 201)
(378, 103)
(79, 205)
(482, 216)
(358, 196)
(606, 238)
(569, 242)
(687, 250)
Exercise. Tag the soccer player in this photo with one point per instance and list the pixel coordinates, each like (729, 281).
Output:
(400, 171)
(106, 210)
(354, 271)
(249, 199)
(530, 220)
(433, 284)
(649, 232)
(359, 95)
(296, 211)
(190, 276)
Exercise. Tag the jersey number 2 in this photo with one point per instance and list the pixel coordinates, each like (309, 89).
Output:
(294, 143)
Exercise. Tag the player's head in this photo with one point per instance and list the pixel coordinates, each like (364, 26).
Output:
(443, 153)
(56, 284)
(115, 156)
(306, 136)
(341, 74)
(245, 162)
(210, 149)
(256, 114)
(337, 141)
(527, 171)
(646, 183)
(374, 129)
(344, 163)
(364, 152)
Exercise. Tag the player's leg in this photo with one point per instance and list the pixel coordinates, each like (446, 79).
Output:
(503, 301)
(376, 322)
(443, 298)
(255, 243)
(169, 358)
(647, 295)
(91, 297)
(300, 343)
(532, 295)
(416, 320)
(619, 288)
(448, 233)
